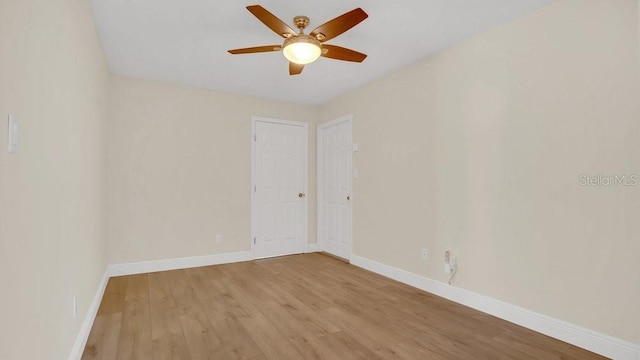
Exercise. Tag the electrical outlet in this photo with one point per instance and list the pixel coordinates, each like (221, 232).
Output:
(424, 254)
(453, 263)
(218, 238)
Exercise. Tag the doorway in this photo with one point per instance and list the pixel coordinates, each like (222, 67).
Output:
(279, 164)
(335, 187)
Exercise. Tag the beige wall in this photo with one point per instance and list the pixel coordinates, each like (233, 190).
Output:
(479, 149)
(54, 79)
(179, 169)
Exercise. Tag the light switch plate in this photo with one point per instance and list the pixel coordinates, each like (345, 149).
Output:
(12, 134)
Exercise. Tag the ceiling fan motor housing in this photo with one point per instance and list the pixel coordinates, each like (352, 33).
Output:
(302, 38)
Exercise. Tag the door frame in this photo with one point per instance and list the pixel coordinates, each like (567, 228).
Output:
(254, 120)
(320, 181)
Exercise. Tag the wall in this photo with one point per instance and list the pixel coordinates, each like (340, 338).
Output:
(479, 150)
(54, 79)
(179, 169)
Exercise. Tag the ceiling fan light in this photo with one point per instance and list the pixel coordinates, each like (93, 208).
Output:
(302, 49)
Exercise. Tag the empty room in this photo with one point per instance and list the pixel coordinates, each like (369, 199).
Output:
(413, 179)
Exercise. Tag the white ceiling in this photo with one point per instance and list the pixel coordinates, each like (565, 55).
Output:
(186, 41)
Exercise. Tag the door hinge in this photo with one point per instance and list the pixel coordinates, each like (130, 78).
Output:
(254, 241)
(255, 137)
(254, 188)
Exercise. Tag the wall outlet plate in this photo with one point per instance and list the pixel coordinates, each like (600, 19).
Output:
(424, 254)
(447, 262)
(218, 238)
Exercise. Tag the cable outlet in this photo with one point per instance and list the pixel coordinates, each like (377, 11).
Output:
(218, 238)
(447, 262)
(424, 254)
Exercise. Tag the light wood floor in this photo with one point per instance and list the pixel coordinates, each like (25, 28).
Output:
(298, 307)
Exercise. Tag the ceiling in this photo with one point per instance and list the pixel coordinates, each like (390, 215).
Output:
(186, 41)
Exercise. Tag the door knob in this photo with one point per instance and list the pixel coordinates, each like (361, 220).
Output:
(301, 195)
(348, 197)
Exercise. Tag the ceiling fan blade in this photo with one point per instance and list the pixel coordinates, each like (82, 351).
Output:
(339, 25)
(340, 53)
(272, 21)
(257, 49)
(295, 69)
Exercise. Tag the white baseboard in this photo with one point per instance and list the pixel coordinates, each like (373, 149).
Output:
(83, 336)
(145, 267)
(179, 263)
(587, 339)
(311, 248)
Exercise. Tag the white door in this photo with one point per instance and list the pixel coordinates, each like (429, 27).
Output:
(279, 203)
(335, 175)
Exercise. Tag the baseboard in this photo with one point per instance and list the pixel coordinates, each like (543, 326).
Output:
(83, 336)
(311, 248)
(140, 268)
(179, 263)
(599, 343)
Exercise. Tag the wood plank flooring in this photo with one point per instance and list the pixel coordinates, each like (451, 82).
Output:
(298, 307)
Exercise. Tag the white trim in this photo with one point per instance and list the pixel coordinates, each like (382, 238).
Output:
(179, 263)
(320, 180)
(311, 248)
(587, 339)
(337, 121)
(255, 119)
(140, 268)
(320, 189)
(85, 330)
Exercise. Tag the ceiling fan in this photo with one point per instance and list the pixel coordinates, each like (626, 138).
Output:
(301, 49)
